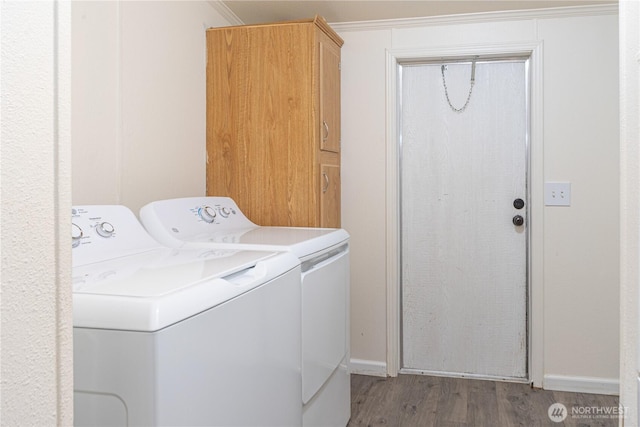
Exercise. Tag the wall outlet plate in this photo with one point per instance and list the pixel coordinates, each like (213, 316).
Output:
(557, 194)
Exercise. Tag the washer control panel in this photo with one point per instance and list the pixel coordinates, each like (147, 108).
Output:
(174, 221)
(215, 213)
(100, 232)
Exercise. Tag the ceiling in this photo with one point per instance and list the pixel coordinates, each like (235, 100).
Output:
(259, 11)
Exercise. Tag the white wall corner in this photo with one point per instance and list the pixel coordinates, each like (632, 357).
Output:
(593, 385)
(629, 208)
(368, 367)
(62, 195)
(37, 328)
(226, 13)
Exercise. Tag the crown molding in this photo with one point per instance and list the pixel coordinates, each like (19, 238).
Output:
(557, 12)
(226, 13)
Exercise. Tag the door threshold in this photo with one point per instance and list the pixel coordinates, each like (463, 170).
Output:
(470, 376)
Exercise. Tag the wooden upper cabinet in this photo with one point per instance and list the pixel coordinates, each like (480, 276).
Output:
(329, 96)
(273, 121)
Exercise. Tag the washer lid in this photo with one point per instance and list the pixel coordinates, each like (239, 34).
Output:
(218, 222)
(303, 242)
(154, 289)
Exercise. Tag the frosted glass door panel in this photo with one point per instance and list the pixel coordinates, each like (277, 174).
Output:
(464, 270)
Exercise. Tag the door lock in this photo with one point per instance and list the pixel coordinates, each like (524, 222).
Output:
(518, 203)
(518, 220)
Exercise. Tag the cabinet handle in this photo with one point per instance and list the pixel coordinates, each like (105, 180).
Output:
(326, 182)
(325, 135)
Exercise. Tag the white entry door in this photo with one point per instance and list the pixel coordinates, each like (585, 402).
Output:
(464, 252)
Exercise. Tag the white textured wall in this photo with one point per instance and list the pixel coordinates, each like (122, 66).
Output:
(581, 243)
(139, 100)
(363, 191)
(97, 151)
(580, 264)
(36, 345)
(630, 208)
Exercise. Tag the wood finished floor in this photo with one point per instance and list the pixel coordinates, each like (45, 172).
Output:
(423, 401)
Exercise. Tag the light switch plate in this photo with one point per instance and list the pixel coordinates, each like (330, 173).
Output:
(557, 193)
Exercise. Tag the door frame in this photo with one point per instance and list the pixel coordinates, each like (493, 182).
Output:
(535, 271)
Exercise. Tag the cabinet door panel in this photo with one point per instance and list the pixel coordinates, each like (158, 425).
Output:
(330, 196)
(329, 97)
(273, 121)
(259, 122)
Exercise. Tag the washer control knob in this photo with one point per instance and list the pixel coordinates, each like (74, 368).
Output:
(207, 213)
(76, 235)
(225, 212)
(105, 229)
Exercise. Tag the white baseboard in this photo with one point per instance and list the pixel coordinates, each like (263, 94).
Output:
(368, 367)
(592, 385)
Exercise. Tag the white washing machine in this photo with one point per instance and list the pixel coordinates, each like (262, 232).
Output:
(166, 337)
(217, 222)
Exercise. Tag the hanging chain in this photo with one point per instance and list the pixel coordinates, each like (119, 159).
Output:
(446, 90)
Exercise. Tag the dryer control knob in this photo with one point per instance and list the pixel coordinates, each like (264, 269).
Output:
(76, 235)
(105, 229)
(225, 212)
(207, 213)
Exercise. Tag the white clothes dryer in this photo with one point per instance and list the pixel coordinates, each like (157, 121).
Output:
(166, 337)
(217, 222)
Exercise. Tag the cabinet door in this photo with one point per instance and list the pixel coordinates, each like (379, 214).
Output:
(260, 123)
(329, 96)
(330, 196)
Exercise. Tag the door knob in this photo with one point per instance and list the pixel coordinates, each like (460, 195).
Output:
(518, 203)
(518, 220)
